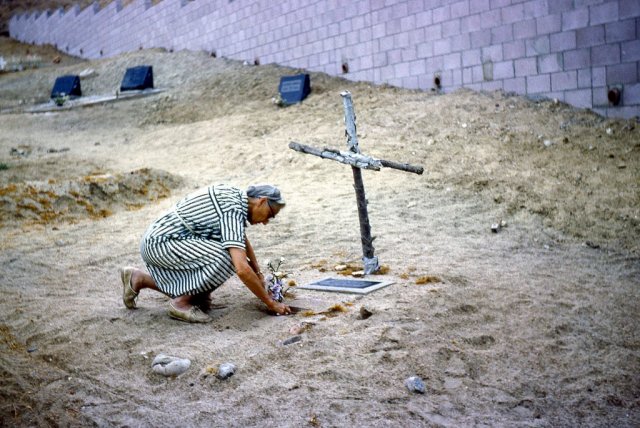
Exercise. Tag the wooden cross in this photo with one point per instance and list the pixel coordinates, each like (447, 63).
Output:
(357, 161)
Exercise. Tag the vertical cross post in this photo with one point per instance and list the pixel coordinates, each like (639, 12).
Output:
(369, 260)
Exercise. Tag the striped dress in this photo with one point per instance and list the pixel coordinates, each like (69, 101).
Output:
(186, 249)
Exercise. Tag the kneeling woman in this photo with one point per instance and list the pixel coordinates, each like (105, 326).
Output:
(197, 245)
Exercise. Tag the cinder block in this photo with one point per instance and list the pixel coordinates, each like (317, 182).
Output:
(456, 77)
(601, 14)
(562, 41)
(584, 78)
(513, 50)
(495, 85)
(631, 94)
(471, 23)
(460, 43)
(526, 67)
(467, 76)
(441, 14)
(451, 28)
(409, 54)
(394, 56)
(600, 98)
(535, 9)
(503, 70)
(498, 4)
(630, 51)
(511, 14)
(620, 31)
(471, 57)
(560, 6)
(628, 9)
(622, 73)
(413, 6)
(574, 19)
(480, 38)
(577, 59)
(605, 55)
(517, 85)
(433, 32)
(565, 80)
(548, 24)
(590, 36)
(490, 18)
(452, 61)
(502, 34)
(460, 9)
(598, 76)
(417, 67)
(538, 46)
(492, 53)
(410, 82)
(425, 50)
(550, 63)
(477, 6)
(525, 29)
(401, 69)
(579, 98)
(424, 18)
(441, 47)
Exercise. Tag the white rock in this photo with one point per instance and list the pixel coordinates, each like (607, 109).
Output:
(170, 366)
(226, 370)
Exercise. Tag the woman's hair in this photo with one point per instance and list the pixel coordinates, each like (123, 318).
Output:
(272, 193)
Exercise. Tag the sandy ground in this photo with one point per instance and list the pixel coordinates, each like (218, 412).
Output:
(536, 325)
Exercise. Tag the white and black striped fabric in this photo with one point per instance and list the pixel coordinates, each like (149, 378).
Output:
(186, 249)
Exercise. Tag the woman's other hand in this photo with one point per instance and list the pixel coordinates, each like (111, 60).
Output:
(279, 308)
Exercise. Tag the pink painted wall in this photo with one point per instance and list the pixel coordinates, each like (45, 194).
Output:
(575, 51)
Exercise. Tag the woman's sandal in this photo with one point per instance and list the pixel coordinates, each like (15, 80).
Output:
(194, 314)
(129, 296)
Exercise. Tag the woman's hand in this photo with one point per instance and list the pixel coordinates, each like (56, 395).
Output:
(279, 308)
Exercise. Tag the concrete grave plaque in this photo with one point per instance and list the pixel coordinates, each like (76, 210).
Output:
(67, 85)
(346, 285)
(294, 89)
(137, 78)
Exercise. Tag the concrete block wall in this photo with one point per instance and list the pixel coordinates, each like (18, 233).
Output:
(572, 50)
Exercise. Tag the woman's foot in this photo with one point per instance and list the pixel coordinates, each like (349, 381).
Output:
(129, 295)
(202, 301)
(188, 313)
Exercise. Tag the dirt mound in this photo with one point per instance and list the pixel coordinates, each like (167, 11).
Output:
(94, 196)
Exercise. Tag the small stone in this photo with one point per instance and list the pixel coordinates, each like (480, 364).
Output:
(358, 274)
(495, 227)
(364, 313)
(226, 370)
(340, 268)
(548, 143)
(609, 131)
(170, 366)
(415, 384)
(293, 339)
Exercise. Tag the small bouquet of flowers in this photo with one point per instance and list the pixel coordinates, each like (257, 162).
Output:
(275, 285)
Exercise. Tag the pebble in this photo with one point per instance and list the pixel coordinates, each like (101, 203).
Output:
(364, 313)
(226, 370)
(291, 340)
(415, 384)
(170, 366)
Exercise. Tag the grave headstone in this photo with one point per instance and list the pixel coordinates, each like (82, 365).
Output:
(294, 89)
(137, 78)
(66, 86)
